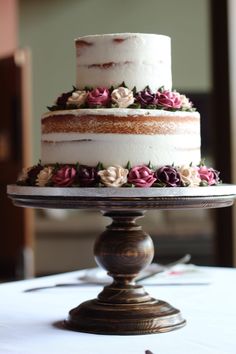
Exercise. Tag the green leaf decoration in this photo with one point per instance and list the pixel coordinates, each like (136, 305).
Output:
(150, 165)
(128, 185)
(122, 85)
(134, 90)
(111, 89)
(151, 106)
(114, 105)
(52, 108)
(135, 105)
(203, 184)
(71, 106)
(99, 166)
(159, 184)
(128, 166)
(88, 88)
(57, 166)
(202, 162)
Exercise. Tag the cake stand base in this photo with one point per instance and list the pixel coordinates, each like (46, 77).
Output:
(124, 307)
(124, 250)
(153, 316)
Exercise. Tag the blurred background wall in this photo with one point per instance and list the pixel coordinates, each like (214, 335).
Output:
(63, 240)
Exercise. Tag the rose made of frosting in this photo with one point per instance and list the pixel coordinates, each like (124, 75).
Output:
(23, 176)
(141, 176)
(122, 97)
(114, 176)
(146, 98)
(189, 176)
(186, 104)
(169, 99)
(208, 176)
(44, 176)
(78, 98)
(87, 176)
(33, 174)
(62, 100)
(98, 97)
(167, 176)
(64, 176)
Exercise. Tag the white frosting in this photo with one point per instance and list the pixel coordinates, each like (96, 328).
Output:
(113, 149)
(122, 112)
(137, 59)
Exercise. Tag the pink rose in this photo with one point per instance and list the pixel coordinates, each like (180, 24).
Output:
(141, 176)
(98, 97)
(64, 177)
(168, 99)
(208, 176)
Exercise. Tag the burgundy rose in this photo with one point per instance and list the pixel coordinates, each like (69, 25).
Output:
(64, 176)
(98, 97)
(32, 174)
(208, 176)
(168, 99)
(141, 176)
(62, 100)
(168, 176)
(87, 176)
(146, 98)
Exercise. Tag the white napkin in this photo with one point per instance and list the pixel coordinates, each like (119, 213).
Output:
(180, 274)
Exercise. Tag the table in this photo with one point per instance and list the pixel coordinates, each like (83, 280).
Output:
(30, 322)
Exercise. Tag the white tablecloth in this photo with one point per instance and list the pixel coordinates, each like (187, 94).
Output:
(27, 319)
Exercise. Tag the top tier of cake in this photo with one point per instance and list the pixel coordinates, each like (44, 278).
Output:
(139, 60)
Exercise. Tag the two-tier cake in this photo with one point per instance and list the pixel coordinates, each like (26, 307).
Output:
(142, 122)
(122, 124)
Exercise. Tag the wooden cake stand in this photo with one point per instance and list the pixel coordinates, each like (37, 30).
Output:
(124, 307)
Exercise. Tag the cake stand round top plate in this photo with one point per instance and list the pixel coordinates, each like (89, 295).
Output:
(123, 198)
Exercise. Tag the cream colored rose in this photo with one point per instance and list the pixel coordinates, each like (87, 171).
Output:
(114, 176)
(77, 98)
(44, 176)
(24, 174)
(185, 103)
(189, 176)
(123, 97)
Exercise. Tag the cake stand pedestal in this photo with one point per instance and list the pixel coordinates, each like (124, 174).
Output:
(124, 249)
